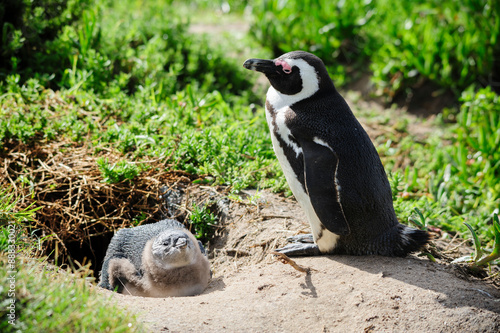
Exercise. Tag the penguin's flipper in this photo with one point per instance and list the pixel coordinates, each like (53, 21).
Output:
(319, 158)
(121, 272)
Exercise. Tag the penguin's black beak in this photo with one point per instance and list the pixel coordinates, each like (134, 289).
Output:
(260, 65)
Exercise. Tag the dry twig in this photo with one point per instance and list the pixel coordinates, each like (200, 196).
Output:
(286, 260)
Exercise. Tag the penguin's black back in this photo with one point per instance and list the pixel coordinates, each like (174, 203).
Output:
(365, 192)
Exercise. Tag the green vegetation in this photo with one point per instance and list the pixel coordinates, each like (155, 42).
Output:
(115, 47)
(117, 172)
(12, 220)
(127, 81)
(407, 43)
(8, 212)
(198, 133)
(203, 220)
(453, 176)
(476, 150)
(478, 258)
(30, 30)
(47, 300)
(448, 43)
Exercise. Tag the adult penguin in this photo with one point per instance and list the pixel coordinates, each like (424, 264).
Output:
(330, 164)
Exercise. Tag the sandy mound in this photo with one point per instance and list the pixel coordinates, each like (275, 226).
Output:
(252, 291)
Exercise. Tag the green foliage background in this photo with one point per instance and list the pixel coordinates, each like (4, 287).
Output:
(406, 43)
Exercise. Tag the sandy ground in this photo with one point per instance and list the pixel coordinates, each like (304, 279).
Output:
(252, 291)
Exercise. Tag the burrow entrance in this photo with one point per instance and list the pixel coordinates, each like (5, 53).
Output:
(79, 212)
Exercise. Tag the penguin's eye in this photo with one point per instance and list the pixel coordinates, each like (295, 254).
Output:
(166, 242)
(287, 69)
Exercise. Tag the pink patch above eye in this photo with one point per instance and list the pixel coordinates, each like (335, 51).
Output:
(286, 67)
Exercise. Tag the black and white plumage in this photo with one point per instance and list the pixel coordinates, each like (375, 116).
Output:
(155, 260)
(330, 164)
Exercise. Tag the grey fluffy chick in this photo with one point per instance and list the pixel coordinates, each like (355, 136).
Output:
(155, 260)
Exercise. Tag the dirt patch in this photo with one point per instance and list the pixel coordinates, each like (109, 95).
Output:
(251, 291)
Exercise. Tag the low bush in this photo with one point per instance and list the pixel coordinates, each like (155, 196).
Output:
(192, 131)
(452, 177)
(29, 30)
(109, 47)
(452, 44)
(404, 43)
(333, 30)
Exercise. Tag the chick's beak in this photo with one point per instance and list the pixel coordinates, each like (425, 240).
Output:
(181, 243)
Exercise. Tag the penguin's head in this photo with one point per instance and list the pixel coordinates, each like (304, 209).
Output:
(174, 248)
(296, 73)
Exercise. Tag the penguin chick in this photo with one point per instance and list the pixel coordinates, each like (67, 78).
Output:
(330, 163)
(155, 260)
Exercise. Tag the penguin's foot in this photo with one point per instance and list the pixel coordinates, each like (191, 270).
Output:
(307, 238)
(302, 245)
(299, 249)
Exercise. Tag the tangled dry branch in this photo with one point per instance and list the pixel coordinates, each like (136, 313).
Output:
(76, 205)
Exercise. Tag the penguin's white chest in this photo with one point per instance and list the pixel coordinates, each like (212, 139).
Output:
(275, 117)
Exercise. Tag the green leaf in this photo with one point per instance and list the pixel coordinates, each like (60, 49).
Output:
(477, 243)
